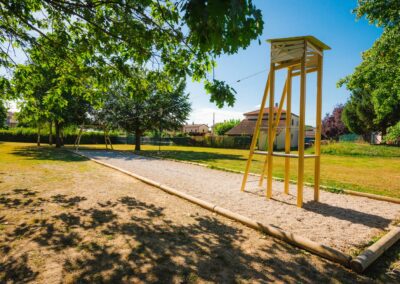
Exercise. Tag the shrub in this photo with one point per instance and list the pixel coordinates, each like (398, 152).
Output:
(223, 127)
(20, 134)
(393, 134)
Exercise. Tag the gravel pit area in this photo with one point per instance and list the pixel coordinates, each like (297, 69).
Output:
(340, 221)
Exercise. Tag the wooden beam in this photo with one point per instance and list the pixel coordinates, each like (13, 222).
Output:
(288, 64)
(256, 132)
(277, 154)
(276, 123)
(302, 114)
(294, 74)
(288, 129)
(314, 48)
(318, 131)
(270, 121)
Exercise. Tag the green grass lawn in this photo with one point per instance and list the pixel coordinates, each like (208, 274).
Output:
(359, 167)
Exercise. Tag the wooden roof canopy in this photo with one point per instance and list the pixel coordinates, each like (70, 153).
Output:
(286, 52)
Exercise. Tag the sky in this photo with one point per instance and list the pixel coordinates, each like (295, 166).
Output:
(331, 21)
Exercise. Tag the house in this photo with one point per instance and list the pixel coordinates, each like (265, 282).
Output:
(246, 128)
(195, 128)
(11, 120)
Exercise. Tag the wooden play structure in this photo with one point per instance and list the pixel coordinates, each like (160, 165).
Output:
(300, 56)
(83, 127)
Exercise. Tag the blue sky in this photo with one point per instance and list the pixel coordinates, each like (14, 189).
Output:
(331, 21)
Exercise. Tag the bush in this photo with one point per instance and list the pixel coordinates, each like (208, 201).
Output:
(233, 142)
(393, 134)
(29, 135)
(223, 127)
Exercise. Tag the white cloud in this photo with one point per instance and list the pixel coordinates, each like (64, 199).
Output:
(205, 115)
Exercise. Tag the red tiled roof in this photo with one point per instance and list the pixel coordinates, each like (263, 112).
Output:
(246, 127)
(266, 110)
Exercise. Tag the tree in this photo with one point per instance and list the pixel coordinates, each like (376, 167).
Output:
(223, 127)
(374, 104)
(147, 109)
(3, 114)
(332, 124)
(182, 37)
(51, 88)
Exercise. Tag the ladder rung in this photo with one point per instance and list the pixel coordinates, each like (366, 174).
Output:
(285, 155)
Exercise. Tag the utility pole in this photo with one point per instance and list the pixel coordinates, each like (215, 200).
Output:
(212, 128)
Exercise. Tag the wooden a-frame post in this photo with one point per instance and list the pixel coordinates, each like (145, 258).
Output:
(300, 56)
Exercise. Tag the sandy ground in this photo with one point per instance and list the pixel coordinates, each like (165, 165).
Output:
(341, 221)
(79, 222)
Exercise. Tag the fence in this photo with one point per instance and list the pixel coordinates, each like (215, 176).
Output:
(351, 137)
(234, 142)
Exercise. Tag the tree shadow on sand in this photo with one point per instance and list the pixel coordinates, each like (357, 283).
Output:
(128, 240)
(47, 154)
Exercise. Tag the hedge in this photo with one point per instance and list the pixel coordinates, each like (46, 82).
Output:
(14, 135)
(233, 142)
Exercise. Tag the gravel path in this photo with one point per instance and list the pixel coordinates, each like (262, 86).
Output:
(338, 220)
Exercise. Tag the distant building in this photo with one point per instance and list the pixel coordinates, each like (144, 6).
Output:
(246, 128)
(309, 135)
(195, 128)
(11, 120)
(376, 138)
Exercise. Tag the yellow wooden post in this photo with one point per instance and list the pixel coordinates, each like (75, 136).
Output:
(270, 130)
(300, 175)
(255, 133)
(288, 129)
(318, 131)
(274, 129)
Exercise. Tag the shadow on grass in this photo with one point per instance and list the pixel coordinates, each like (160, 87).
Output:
(47, 154)
(190, 156)
(148, 247)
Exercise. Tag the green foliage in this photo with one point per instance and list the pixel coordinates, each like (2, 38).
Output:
(223, 127)
(30, 135)
(221, 93)
(149, 108)
(393, 134)
(108, 37)
(229, 142)
(374, 103)
(3, 114)
(383, 13)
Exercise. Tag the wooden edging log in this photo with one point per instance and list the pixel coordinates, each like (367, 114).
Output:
(368, 256)
(372, 196)
(299, 241)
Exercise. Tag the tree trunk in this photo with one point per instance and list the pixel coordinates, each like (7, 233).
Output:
(38, 135)
(58, 138)
(51, 133)
(62, 135)
(138, 135)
